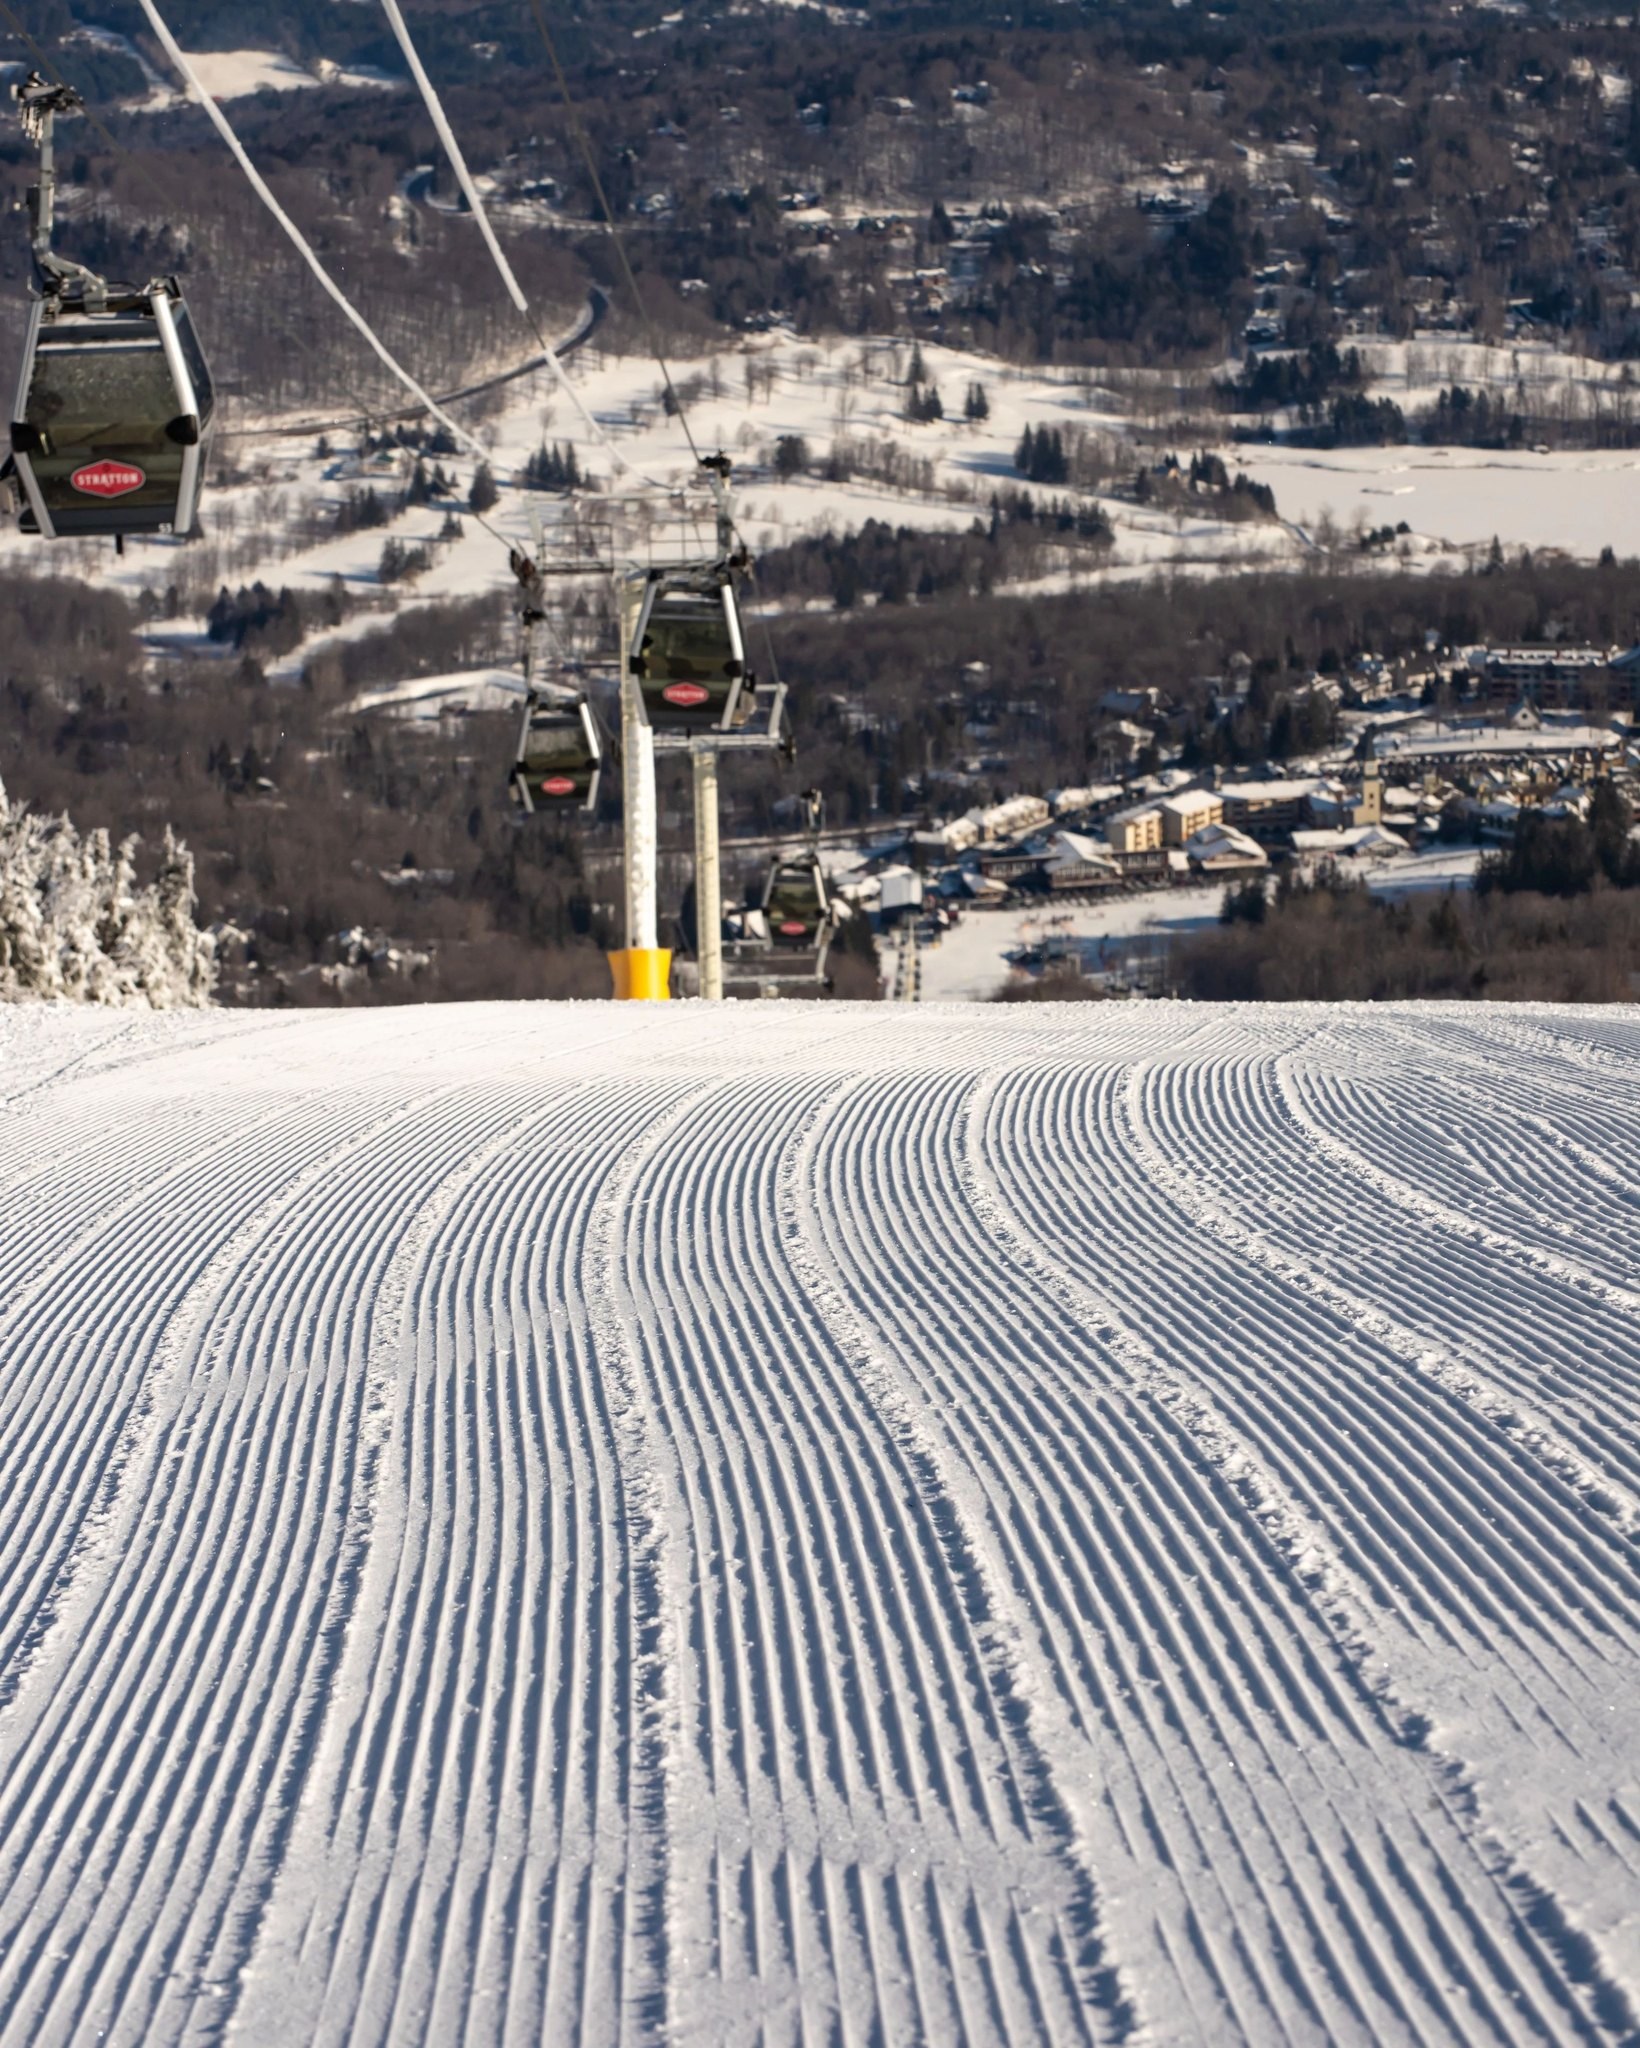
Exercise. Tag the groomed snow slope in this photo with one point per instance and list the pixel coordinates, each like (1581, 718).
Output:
(576, 1524)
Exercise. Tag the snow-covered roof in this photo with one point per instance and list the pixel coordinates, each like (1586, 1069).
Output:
(1077, 849)
(476, 689)
(1565, 739)
(1355, 841)
(1078, 799)
(1283, 792)
(1550, 655)
(1013, 814)
(1188, 803)
(1222, 842)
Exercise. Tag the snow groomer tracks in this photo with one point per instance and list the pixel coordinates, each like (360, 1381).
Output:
(820, 1525)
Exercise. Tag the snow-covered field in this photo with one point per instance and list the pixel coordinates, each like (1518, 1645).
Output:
(971, 962)
(1463, 497)
(743, 398)
(230, 74)
(541, 1523)
(276, 524)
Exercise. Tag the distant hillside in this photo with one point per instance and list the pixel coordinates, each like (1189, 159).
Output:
(1143, 185)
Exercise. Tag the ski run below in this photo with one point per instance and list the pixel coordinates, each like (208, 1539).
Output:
(806, 1523)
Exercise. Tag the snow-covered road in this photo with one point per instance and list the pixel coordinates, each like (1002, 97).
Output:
(802, 1523)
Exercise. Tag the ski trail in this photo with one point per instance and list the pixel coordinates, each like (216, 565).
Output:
(802, 1524)
(1173, 1696)
(1250, 1317)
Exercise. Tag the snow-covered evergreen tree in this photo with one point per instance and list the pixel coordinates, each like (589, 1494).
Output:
(76, 926)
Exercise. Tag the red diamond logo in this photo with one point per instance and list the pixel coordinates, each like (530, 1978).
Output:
(791, 929)
(108, 479)
(557, 785)
(685, 695)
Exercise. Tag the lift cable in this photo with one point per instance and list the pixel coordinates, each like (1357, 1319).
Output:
(258, 185)
(578, 129)
(298, 240)
(515, 291)
(120, 151)
(363, 412)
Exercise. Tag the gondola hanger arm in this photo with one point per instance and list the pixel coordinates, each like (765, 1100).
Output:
(40, 102)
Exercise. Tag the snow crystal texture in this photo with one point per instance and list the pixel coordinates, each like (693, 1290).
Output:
(797, 1523)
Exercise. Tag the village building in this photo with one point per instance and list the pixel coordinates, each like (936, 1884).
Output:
(1077, 862)
(1119, 740)
(1186, 811)
(1552, 675)
(1136, 830)
(1089, 799)
(1269, 811)
(1008, 819)
(1013, 862)
(1332, 806)
(1221, 853)
(1357, 842)
(1136, 704)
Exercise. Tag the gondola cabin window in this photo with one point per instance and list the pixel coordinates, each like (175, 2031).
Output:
(688, 645)
(117, 393)
(193, 357)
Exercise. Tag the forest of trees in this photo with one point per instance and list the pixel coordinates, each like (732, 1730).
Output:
(1552, 855)
(1553, 917)
(309, 822)
(301, 814)
(1052, 658)
(896, 565)
(1328, 939)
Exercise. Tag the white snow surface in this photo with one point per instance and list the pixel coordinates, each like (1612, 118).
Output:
(1462, 497)
(473, 689)
(824, 391)
(795, 1522)
(235, 74)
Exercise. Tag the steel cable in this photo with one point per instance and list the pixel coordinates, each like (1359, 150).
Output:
(297, 239)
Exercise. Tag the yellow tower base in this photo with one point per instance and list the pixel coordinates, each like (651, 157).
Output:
(643, 974)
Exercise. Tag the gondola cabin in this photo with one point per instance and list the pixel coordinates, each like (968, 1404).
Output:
(112, 418)
(687, 655)
(796, 904)
(560, 756)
